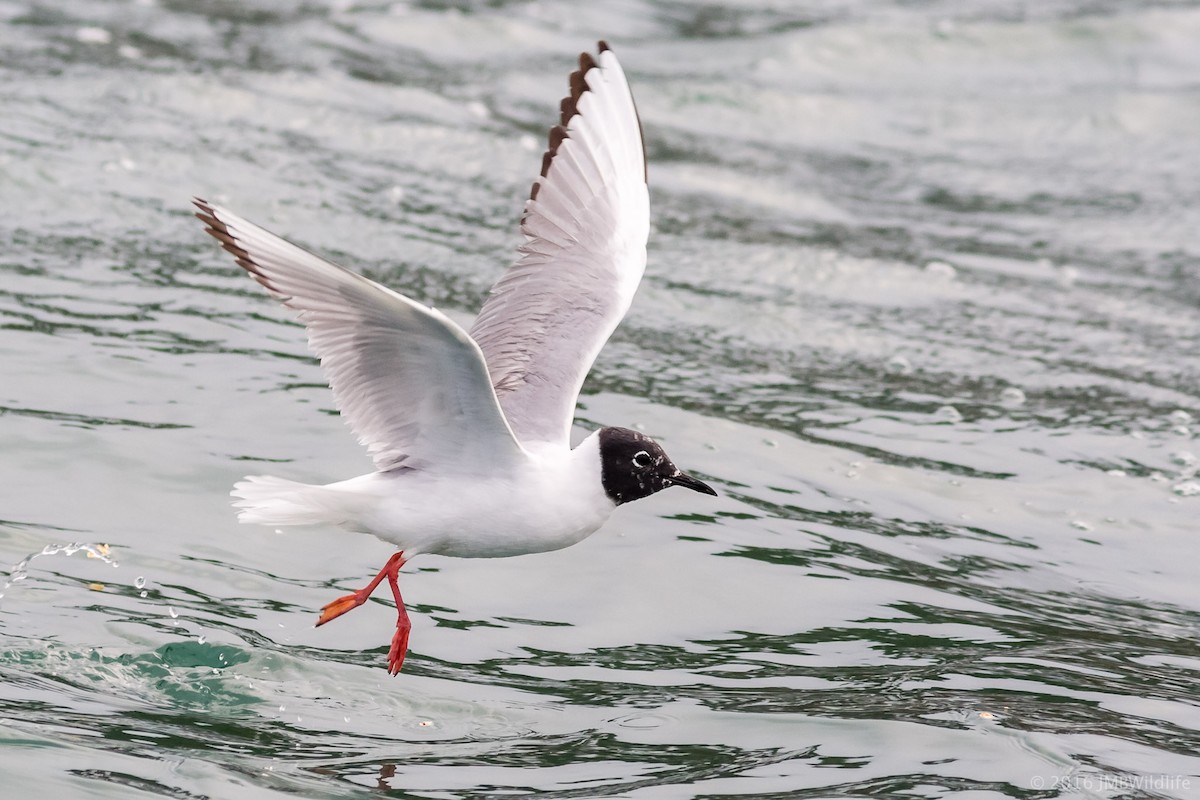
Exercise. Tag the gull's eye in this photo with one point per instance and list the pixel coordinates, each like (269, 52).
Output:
(642, 459)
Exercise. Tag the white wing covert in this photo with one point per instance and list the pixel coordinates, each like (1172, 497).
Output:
(410, 382)
(586, 224)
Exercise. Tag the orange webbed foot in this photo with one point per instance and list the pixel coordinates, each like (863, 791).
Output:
(399, 647)
(340, 606)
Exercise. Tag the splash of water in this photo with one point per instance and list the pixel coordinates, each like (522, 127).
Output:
(21, 570)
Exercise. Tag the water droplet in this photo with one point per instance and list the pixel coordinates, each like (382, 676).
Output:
(171, 610)
(1079, 524)
(142, 594)
(948, 414)
(1186, 489)
(898, 365)
(1012, 397)
(139, 582)
(200, 639)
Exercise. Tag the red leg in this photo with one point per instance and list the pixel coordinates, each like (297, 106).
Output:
(351, 601)
(400, 639)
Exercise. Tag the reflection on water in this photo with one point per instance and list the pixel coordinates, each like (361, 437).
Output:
(920, 303)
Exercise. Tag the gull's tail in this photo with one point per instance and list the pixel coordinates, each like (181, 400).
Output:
(267, 500)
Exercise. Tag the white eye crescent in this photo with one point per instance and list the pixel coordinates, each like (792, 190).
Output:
(642, 459)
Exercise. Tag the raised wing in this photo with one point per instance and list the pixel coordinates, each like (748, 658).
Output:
(409, 381)
(586, 224)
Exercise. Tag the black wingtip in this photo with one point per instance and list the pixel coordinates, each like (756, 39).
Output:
(208, 216)
(203, 205)
(217, 229)
(586, 62)
(569, 108)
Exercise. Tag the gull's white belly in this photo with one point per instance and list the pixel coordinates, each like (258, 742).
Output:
(553, 501)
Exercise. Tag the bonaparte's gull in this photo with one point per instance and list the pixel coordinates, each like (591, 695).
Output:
(470, 431)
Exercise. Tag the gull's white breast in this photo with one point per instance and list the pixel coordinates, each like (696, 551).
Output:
(553, 499)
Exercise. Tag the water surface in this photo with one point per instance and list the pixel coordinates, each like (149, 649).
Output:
(921, 304)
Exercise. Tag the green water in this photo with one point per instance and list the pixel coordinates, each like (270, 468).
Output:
(921, 304)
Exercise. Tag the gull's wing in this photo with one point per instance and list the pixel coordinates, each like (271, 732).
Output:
(409, 381)
(585, 224)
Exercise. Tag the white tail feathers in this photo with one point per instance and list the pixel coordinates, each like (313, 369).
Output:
(267, 500)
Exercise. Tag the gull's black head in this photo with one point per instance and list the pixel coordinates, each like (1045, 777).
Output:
(633, 466)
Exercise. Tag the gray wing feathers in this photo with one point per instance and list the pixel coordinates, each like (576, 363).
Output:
(409, 381)
(586, 225)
